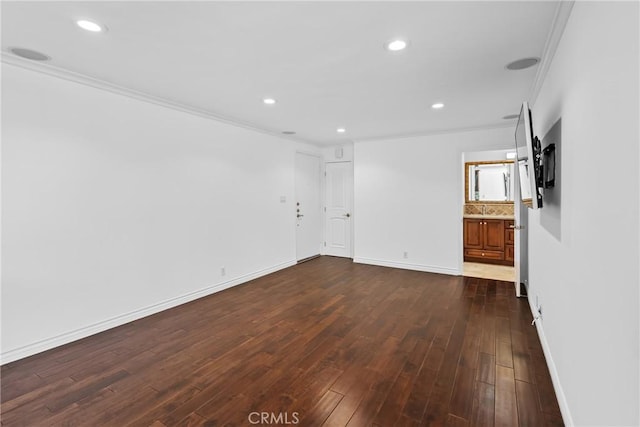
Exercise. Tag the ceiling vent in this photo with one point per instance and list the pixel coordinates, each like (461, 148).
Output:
(523, 63)
(29, 54)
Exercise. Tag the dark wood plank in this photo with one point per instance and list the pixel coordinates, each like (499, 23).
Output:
(454, 421)
(405, 421)
(420, 393)
(391, 408)
(503, 328)
(86, 390)
(506, 411)
(483, 411)
(338, 343)
(486, 369)
(462, 395)
(321, 411)
(553, 420)
(488, 337)
(529, 414)
(503, 354)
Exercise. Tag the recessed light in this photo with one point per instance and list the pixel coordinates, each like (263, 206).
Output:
(288, 132)
(269, 101)
(341, 130)
(511, 116)
(90, 26)
(396, 45)
(523, 63)
(29, 54)
(437, 105)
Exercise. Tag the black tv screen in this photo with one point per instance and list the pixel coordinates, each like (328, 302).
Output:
(528, 160)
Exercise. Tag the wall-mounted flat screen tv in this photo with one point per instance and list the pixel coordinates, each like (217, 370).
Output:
(528, 160)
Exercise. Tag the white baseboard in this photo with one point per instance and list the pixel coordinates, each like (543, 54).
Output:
(408, 266)
(562, 400)
(67, 337)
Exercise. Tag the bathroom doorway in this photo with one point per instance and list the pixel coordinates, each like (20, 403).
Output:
(488, 222)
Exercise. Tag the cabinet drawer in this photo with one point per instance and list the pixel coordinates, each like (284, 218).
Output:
(479, 253)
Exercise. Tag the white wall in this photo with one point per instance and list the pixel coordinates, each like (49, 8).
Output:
(114, 208)
(329, 153)
(408, 198)
(484, 156)
(587, 280)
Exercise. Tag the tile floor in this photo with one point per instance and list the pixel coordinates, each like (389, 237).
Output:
(489, 271)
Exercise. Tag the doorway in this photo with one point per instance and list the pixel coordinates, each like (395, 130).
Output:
(308, 206)
(488, 225)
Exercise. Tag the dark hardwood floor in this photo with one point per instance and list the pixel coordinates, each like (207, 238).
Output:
(324, 343)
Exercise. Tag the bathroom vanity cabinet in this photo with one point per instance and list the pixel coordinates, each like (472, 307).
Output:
(488, 240)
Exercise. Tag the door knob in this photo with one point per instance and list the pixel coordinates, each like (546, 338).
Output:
(348, 215)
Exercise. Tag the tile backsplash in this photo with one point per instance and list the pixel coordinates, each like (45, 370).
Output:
(505, 209)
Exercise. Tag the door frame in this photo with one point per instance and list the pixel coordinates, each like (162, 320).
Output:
(469, 156)
(321, 201)
(520, 257)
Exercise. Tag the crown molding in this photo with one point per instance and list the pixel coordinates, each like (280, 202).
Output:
(83, 79)
(436, 132)
(563, 11)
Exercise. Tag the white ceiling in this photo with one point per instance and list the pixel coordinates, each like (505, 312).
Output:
(324, 62)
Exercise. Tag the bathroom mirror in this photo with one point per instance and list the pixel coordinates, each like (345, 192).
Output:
(489, 182)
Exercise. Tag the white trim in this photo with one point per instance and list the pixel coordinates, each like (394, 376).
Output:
(308, 153)
(408, 266)
(67, 337)
(563, 11)
(553, 372)
(507, 124)
(83, 79)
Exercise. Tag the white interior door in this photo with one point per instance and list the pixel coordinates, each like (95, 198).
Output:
(521, 245)
(338, 200)
(308, 206)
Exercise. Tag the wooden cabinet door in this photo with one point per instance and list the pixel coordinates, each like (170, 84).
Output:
(508, 253)
(493, 231)
(508, 236)
(473, 233)
(509, 231)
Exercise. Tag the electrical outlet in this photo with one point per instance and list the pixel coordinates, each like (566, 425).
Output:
(537, 314)
(405, 255)
(223, 271)
(538, 308)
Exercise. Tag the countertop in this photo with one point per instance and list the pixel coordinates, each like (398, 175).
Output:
(476, 216)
